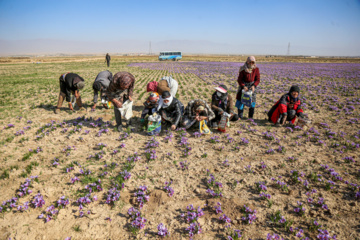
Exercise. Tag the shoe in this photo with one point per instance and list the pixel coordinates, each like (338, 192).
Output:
(57, 110)
(119, 128)
(128, 124)
(240, 113)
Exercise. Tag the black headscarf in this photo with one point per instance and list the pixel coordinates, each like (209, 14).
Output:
(294, 88)
(97, 86)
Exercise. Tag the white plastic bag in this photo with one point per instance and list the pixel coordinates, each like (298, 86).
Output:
(126, 110)
(73, 100)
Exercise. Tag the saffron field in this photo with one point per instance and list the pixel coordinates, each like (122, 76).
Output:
(73, 176)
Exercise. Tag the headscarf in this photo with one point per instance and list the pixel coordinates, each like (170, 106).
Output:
(152, 86)
(294, 88)
(154, 97)
(247, 67)
(169, 80)
(97, 86)
(223, 90)
(121, 81)
(198, 105)
(165, 95)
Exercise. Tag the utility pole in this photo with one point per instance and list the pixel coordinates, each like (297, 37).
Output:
(150, 51)
(288, 51)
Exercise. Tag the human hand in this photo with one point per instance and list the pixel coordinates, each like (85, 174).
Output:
(246, 89)
(130, 99)
(71, 107)
(253, 88)
(173, 127)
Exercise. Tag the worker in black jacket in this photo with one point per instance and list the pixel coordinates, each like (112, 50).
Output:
(70, 83)
(170, 109)
(107, 59)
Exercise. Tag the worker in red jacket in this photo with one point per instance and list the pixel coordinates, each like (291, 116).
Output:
(287, 108)
(248, 79)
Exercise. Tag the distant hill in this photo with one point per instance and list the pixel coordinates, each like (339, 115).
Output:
(65, 47)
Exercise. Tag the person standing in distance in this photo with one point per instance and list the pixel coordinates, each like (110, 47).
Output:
(107, 59)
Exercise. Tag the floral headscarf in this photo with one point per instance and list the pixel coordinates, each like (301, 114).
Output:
(247, 67)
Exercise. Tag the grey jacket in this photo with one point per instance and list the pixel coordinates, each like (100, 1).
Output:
(104, 77)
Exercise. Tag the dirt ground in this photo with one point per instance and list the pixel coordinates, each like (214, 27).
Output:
(331, 139)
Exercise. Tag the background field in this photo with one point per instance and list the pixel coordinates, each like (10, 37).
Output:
(330, 89)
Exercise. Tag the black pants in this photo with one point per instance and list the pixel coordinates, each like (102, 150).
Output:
(108, 63)
(291, 114)
(117, 116)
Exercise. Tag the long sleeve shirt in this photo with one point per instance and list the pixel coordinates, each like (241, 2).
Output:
(253, 77)
(69, 84)
(190, 112)
(104, 78)
(122, 81)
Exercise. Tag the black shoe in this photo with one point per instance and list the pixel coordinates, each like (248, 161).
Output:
(241, 113)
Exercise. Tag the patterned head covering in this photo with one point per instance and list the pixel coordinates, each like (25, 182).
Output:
(247, 66)
(198, 104)
(121, 81)
(154, 97)
(152, 86)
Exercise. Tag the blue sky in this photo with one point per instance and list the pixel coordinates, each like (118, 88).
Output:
(319, 27)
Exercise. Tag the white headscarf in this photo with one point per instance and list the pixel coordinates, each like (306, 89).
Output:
(169, 80)
(162, 104)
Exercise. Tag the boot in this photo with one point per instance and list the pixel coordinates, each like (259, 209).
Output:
(241, 113)
(251, 113)
(60, 102)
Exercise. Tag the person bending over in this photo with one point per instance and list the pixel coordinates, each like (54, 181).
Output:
(170, 109)
(70, 83)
